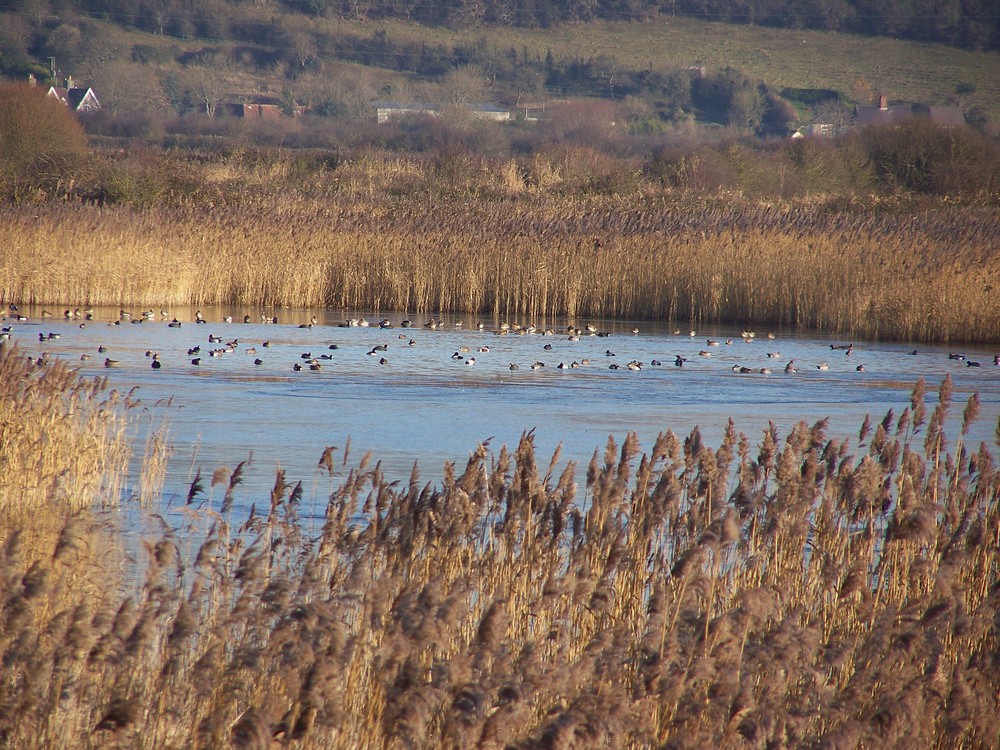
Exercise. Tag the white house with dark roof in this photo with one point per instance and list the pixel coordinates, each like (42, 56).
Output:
(77, 98)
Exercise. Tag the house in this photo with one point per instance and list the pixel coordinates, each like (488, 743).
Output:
(255, 111)
(386, 111)
(883, 114)
(77, 98)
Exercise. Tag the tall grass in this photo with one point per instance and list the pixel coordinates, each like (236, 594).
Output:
(893, 268)
(803, 591)
(62, 439)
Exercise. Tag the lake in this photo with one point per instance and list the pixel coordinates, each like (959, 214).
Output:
(413, 394)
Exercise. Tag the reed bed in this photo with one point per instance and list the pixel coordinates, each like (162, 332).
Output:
(884, 268)
(63, 444)
(803, 591)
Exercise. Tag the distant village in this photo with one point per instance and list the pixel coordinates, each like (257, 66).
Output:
(84, 99)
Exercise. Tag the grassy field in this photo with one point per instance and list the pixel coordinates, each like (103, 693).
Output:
(904, 70)
(788, 590)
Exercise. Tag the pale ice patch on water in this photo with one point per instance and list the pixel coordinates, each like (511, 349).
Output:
(428, 404)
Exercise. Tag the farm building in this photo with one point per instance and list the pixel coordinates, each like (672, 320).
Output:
(386, 111)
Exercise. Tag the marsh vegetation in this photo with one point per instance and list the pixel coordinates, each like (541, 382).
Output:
(889, 235)
(795, 589)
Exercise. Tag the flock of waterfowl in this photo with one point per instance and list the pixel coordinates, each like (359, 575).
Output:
(260, 351)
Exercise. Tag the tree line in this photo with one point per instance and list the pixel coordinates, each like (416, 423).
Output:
(970, 24)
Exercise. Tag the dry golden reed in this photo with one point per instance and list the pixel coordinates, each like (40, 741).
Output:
(390, 234)
(806, 592)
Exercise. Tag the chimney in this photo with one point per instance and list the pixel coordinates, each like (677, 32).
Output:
(883, 102)
(32, 81)
(68, 83)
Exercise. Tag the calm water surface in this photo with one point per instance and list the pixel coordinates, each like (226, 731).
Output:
(423, 406)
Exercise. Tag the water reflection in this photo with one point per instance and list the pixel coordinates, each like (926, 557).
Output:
(422, 405)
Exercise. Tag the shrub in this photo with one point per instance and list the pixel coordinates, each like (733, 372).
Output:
(42, 145)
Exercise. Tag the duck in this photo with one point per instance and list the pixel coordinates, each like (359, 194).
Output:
(823, 366)
(196, 361)
(704, 353)
(513, 367)
(383, 361)
(765, 371)
(470, 361)
(860, 368)
(537, 365)
(108, 362)
(155, 364)
(679, 361)
(972, 363)
(790, 367)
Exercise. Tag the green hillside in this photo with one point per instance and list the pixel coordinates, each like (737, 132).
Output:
(334, 67)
